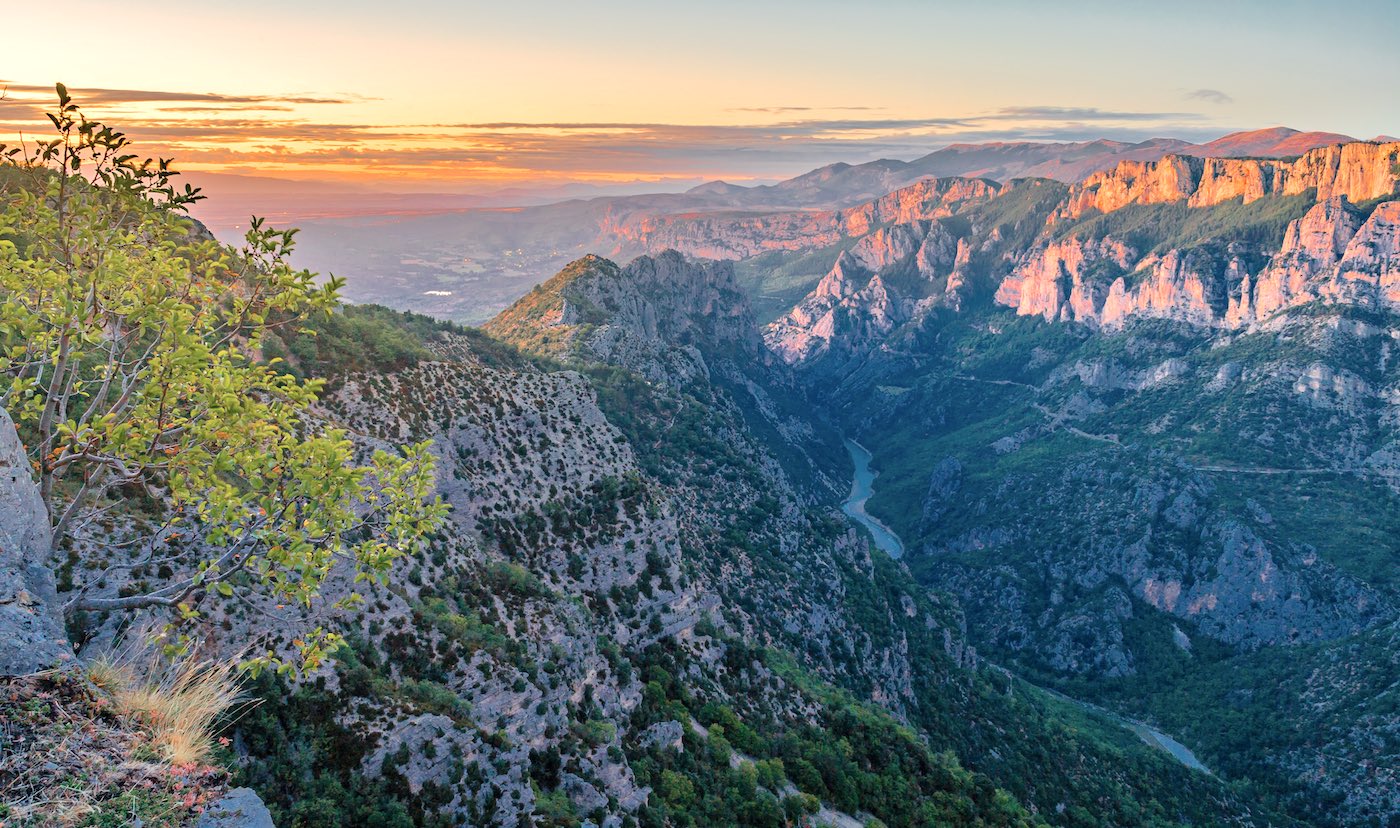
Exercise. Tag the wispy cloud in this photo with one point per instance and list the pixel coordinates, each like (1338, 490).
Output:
(777, 129)
(778, 110)
(230, 108)
(129, 96)
(1214, 96)
(1086, 113)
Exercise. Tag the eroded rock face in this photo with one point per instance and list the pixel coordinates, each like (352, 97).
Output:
(1333, 253)
(1066, 279)
(1191, 286)
(653, 314)
(1249, 600)
(874, 287)
(1359, 171)
(31, 625)
(1225, 178)
(942, 485)
(1172, 178)
(1372, 256)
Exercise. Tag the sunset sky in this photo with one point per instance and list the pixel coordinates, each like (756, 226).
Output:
(429, 95)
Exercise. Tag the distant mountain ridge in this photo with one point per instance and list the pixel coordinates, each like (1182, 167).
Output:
(469, 264)
(1002, 161)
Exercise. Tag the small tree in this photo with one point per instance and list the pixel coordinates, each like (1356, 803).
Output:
(129, 345)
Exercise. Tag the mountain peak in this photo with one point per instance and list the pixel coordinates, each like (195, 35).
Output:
(717, 188)
(633, 316)
(1270, 142)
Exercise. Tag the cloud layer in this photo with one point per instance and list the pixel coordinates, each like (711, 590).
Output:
(280, 134)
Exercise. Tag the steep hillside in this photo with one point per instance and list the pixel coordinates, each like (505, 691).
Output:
(600, 633)
(949, 705)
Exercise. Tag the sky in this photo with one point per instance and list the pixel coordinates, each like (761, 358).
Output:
(431, 95)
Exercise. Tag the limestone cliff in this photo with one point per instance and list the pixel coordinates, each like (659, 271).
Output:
(1106, 283)
(1359, 171)
(1055, 283)
(1215, 242)
(1333, 253)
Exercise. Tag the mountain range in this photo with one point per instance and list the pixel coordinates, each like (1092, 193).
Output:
(470, 262)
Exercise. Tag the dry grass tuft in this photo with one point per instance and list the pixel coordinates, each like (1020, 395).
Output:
(180, 702)
(68, 760)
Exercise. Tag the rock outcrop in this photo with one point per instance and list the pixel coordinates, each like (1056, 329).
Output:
(874, 287)
(1106, 283)
(1172, 178)
(1331, 254)
(655, 316)
(31, 625)
(1066, 279)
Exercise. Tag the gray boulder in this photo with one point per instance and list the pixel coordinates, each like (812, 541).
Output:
(239, 808)
(31, 624)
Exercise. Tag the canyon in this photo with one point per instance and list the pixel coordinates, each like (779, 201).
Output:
(1132, 410)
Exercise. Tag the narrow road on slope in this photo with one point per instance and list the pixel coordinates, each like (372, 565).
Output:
(1270, 470)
